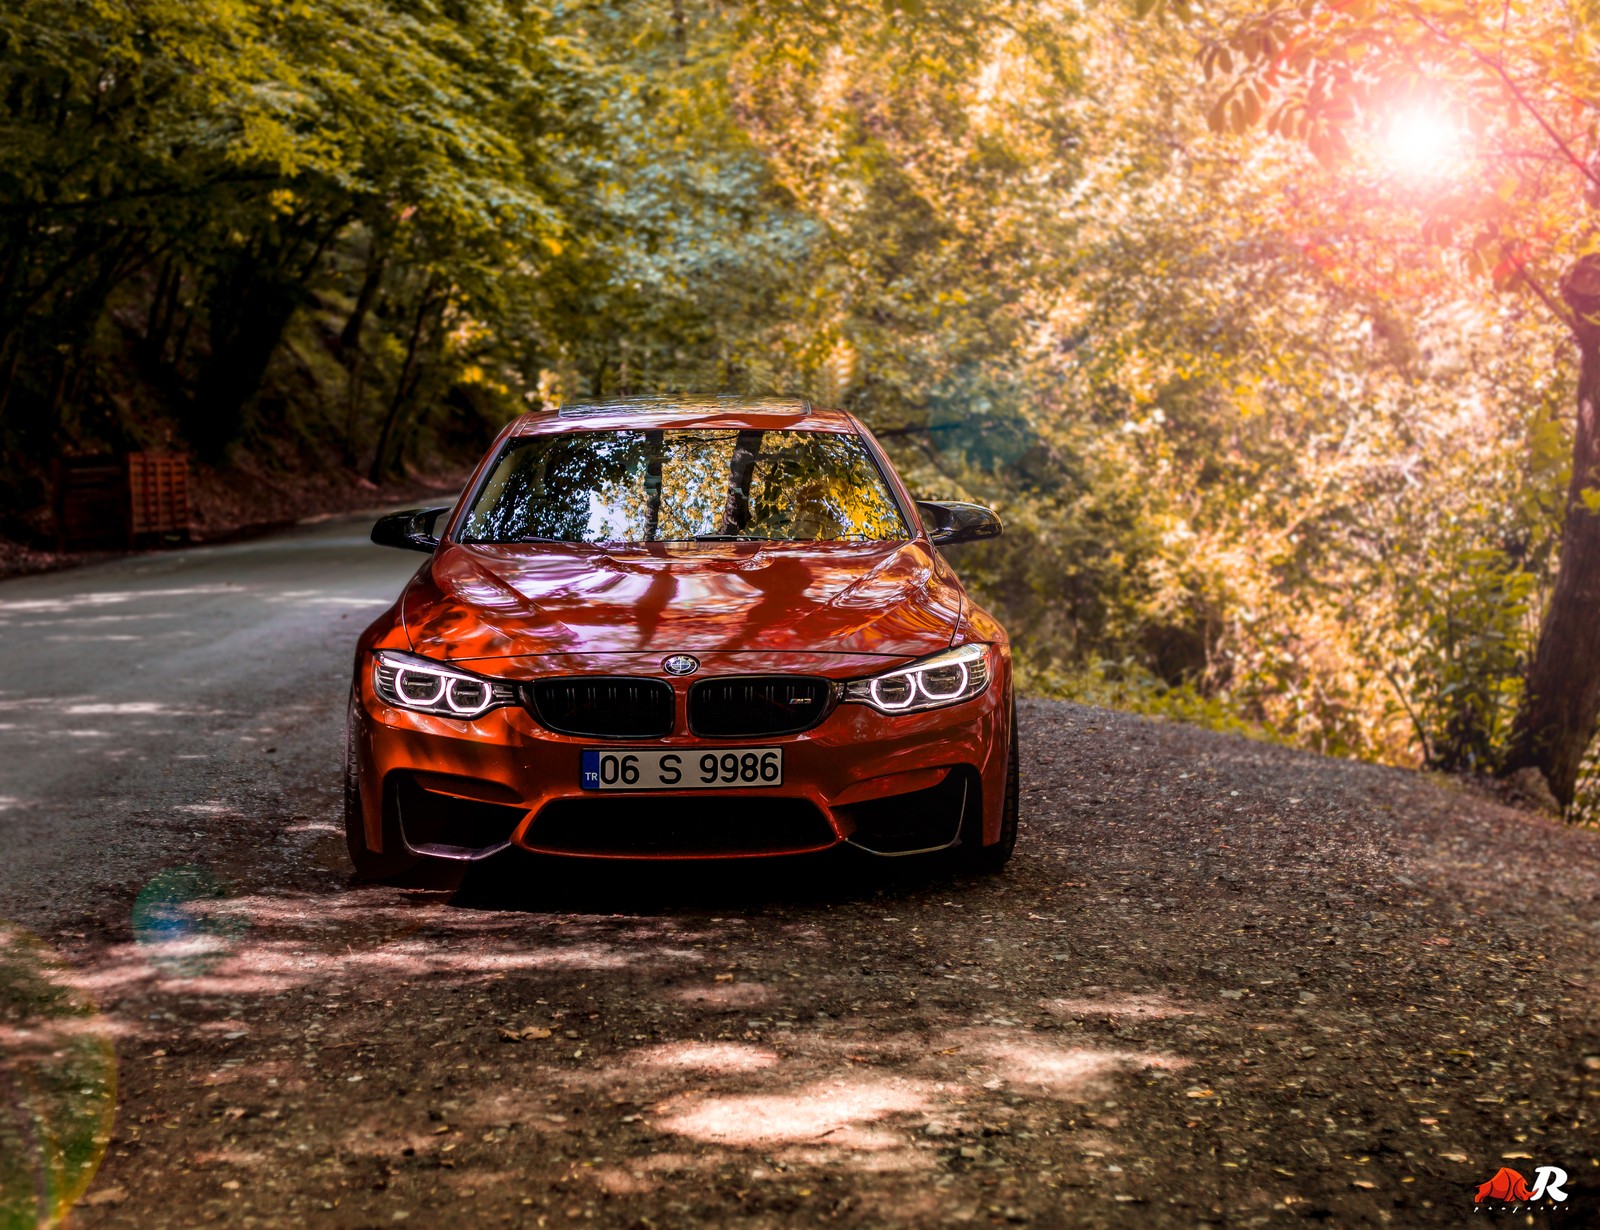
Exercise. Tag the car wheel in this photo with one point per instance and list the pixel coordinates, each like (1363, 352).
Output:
(987, 860)
(369, 864)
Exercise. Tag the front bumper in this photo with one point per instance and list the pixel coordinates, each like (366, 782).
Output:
(447, 788)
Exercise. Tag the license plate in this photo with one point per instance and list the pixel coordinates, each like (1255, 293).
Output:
(723, 769)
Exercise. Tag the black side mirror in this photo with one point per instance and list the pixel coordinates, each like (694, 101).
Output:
(412, 529)
(953, 521)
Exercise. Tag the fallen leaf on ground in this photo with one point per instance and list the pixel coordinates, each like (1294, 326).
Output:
(532, 1033)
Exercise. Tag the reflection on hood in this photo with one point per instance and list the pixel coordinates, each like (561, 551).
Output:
(892, 598)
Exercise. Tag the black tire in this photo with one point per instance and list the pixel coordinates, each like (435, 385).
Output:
(988, 860)
(369, 864)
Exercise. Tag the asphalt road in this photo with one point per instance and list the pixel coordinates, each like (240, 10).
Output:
(142, 696)
(1223, 982)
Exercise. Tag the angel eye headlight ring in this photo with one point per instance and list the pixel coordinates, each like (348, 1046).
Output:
(422, 685)
(946, 678)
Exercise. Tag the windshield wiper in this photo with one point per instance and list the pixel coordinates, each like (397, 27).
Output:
(719, 538)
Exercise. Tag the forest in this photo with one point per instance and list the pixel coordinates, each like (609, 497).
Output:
(1269, 329)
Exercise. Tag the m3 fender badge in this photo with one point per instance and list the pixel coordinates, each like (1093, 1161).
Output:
(680, 664)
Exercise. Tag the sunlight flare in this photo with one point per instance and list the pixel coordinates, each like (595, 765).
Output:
(1420, 141)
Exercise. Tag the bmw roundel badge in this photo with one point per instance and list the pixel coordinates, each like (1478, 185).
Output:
(680, 664)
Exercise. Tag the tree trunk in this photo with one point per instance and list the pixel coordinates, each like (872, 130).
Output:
(350, 337)
(654, 447)
(741, 469)
(163, 312)
(1556, 721)
(244, 340)
(351, 352)
(8, 375)
(407, 381)
(158, 298)
(352, 413)
(79, 315)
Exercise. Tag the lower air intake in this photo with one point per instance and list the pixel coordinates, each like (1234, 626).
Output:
(686, 828)
(921, 820)
(447, 825)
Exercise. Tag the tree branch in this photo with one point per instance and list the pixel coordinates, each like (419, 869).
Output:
(1416, 722)
(1516, 92)
(32, 209)
(1556, 309)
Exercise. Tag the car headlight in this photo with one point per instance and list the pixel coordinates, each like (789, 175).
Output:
(944, 679)
(410, 681)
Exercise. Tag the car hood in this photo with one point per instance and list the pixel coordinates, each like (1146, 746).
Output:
(897, 599)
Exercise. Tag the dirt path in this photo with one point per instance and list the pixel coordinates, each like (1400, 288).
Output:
(1224, 983)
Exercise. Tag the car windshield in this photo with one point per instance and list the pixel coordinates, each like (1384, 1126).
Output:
(678, 485)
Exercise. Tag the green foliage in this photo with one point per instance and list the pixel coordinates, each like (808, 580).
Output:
(1466, 662)
(1464, 139)
(1262, 465)
(188, 180)
(1585, 807)
(1128, 685)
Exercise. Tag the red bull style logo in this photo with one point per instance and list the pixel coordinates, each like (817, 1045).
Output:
(1509, 1189)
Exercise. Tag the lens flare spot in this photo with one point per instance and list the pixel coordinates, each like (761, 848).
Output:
(184, 922)
(58, 1084)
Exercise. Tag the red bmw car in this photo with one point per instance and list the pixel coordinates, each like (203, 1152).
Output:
(682, 628)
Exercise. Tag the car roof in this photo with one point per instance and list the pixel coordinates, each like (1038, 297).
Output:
(683, 410)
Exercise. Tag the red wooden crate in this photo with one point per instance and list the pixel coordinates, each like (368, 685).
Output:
(158, 493)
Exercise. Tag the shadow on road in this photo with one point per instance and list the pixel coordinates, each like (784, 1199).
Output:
(533, 884)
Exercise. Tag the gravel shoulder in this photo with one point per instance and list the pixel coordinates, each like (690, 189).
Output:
(1222, 983)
